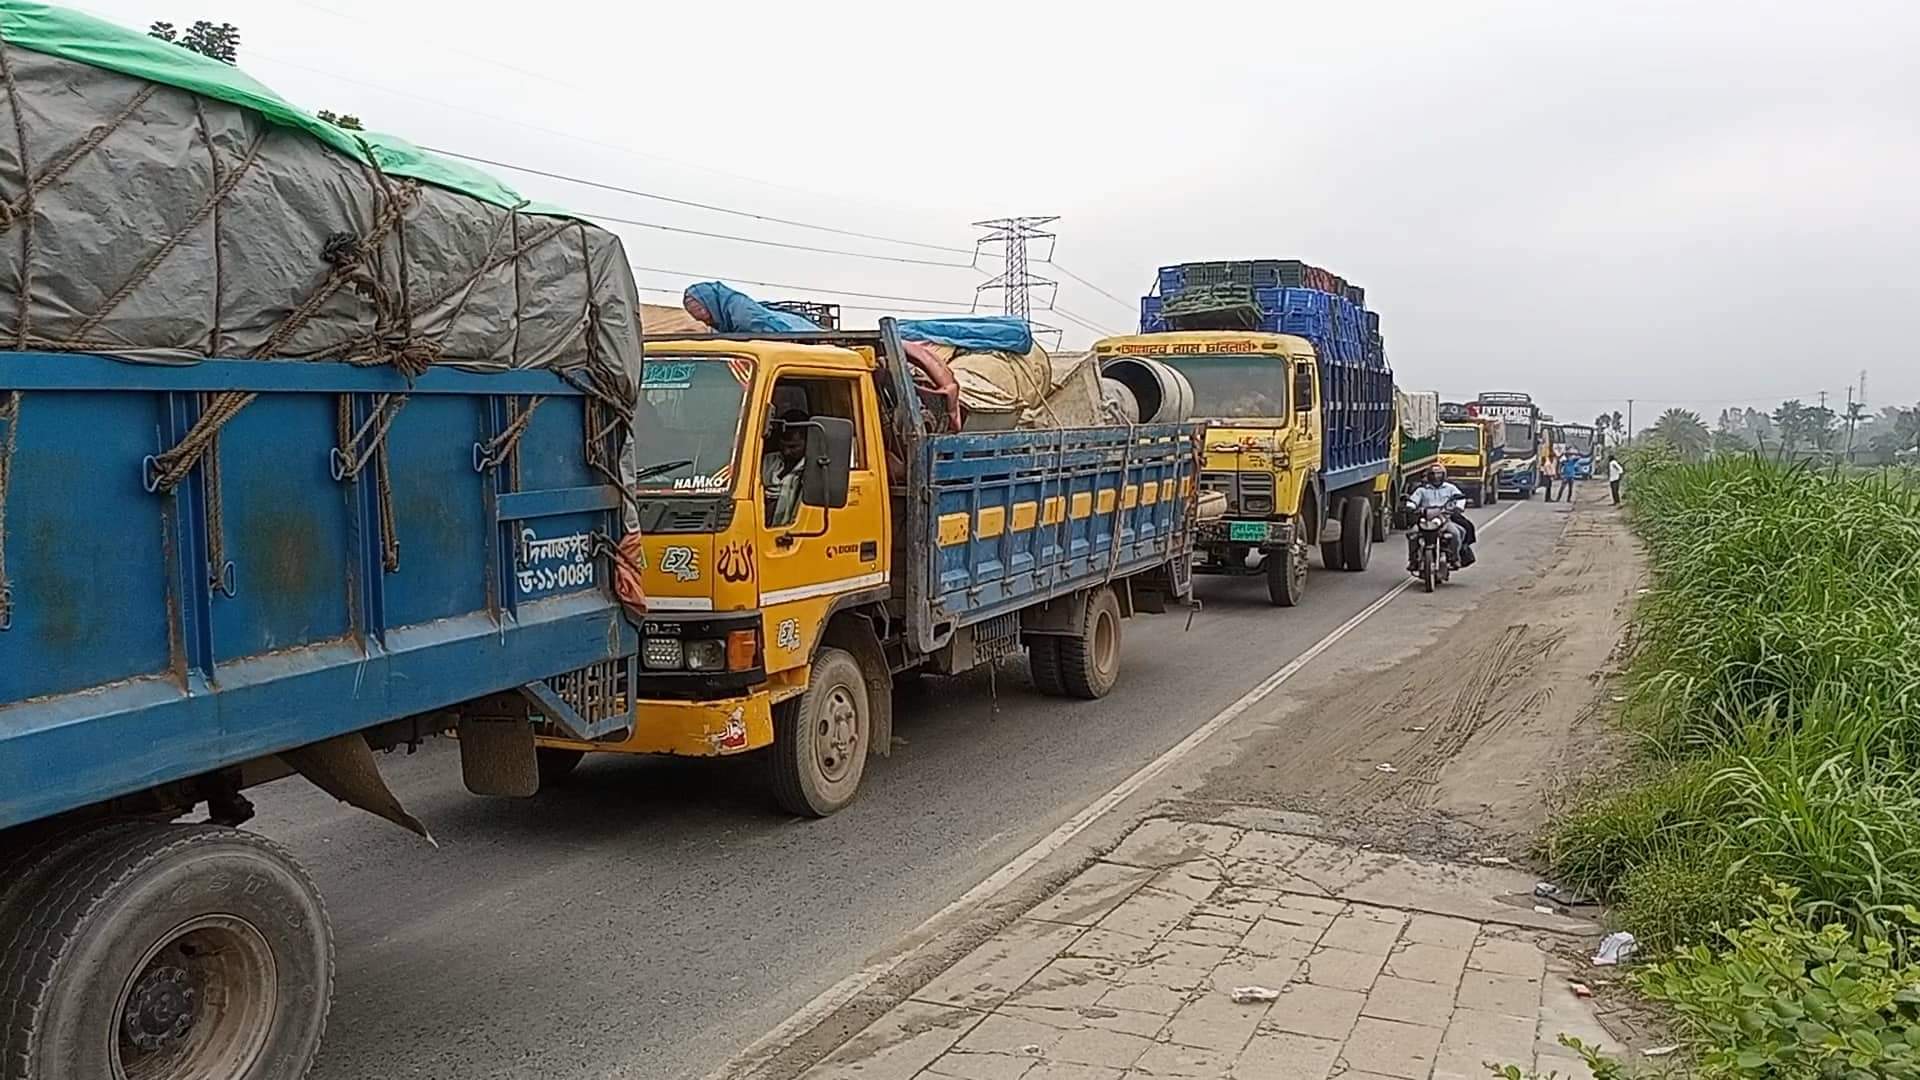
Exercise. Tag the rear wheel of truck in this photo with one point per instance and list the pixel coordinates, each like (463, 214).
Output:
(1333, 555)
(1356, 534)
(1043, 664)
(820, 738)
(169, 952)
(1090, 658)
(1382, 522)
(555, 764)
(1287, 572)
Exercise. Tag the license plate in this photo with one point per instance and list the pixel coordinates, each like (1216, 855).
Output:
(1254, 531)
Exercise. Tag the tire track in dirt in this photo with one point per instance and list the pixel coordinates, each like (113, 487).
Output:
(1479, 728)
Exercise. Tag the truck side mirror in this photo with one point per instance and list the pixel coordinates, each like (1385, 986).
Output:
(1302, 388)
(829, 464)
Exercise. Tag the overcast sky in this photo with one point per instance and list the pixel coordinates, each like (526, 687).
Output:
(1696, 203)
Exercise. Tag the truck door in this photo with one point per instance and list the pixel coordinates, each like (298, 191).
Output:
(809, 555)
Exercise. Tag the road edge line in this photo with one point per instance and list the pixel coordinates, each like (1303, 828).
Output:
(833, 997)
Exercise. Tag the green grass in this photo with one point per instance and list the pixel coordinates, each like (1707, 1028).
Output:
(1777, 685)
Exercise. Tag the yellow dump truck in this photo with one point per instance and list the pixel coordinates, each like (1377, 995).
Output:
(807, 538)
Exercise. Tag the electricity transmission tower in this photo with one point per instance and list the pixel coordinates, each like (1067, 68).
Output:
(1016, 283)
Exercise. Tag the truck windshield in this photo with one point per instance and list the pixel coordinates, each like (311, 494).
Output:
(1519, 436)
(1459, 440)
(689, 419)
(1235, 385)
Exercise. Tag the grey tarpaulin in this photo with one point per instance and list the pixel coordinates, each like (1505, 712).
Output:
(150, 223)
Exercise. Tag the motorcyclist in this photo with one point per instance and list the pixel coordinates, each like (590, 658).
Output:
(1437, 491)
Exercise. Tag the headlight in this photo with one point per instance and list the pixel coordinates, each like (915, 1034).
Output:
(1258, 504)
(662, 654)
(706, 655)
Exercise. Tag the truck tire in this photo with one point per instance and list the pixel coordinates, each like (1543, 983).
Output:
(820, 739)
(1382, 523)
(1333, 555)
(1287, 574)
(1043, 664)
(555, 764)
(168, 951)
(1090, 658)
(1356, 534)
(1473, 495)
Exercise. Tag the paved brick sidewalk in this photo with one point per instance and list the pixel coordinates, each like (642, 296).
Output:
(1388, 967)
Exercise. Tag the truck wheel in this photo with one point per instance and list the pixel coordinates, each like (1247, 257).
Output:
(1043, 663)
(1382, 523)
(820, 739)
(1333, 555)
(555, 764)
(1090, 658)
(1356, 534)
(1287, 576)
(1473, 497)
(171, 952)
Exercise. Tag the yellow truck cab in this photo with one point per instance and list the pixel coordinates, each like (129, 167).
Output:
(1297, 443)
(1469, 449)
(807, 537)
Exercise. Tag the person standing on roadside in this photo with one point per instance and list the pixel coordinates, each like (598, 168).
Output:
(1569, 472)
(1615, 473)
(1548, 469)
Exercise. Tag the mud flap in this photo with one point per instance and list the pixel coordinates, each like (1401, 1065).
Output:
(344, 768)
(496, 757)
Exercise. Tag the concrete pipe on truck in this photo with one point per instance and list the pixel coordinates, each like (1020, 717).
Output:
(1165, 396)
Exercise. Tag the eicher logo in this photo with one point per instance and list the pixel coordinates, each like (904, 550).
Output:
(681, 562)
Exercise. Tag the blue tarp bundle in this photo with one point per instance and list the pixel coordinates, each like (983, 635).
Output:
(984, 333)
(734, 312)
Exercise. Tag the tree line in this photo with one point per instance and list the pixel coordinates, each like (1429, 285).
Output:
(1794, 429)
(222, 42)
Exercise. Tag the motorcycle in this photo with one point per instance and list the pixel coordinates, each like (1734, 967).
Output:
(1435, 555)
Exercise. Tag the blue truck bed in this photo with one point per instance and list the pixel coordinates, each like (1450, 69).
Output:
(134, 658)
(1019, 517)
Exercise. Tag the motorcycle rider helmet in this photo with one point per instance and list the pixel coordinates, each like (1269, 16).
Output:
(1436, 474)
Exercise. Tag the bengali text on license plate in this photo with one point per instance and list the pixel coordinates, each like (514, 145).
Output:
(1246, 530)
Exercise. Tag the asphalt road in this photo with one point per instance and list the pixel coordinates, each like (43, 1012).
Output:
(661, 914)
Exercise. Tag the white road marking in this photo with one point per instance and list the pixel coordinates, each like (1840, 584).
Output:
(831, 999)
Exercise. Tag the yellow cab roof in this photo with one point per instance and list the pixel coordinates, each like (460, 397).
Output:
(829, 356)
(1224, 341)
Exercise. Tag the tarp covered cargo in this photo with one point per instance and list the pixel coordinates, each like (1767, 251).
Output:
(166, 207)
(1419, 411)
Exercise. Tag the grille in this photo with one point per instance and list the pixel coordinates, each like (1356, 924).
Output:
(1241, 489)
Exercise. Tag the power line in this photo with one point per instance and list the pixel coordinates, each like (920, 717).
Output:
(852, 307)
(1132, 308)
(1083, 323)
(771, 243)
(802, 288)
(714, 207)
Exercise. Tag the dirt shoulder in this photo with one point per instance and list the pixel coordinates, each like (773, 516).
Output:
(1465, 744)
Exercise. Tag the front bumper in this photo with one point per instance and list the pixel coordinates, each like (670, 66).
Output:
(717, 728)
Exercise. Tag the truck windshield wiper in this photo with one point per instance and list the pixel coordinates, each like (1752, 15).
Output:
(652, 471)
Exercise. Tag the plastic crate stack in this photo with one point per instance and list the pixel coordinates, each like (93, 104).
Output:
(1292, 297)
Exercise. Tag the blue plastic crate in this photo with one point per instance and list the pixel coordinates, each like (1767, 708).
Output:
(1172, 279)
(1306, 302)
(1152, 324)
(1269, 298)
